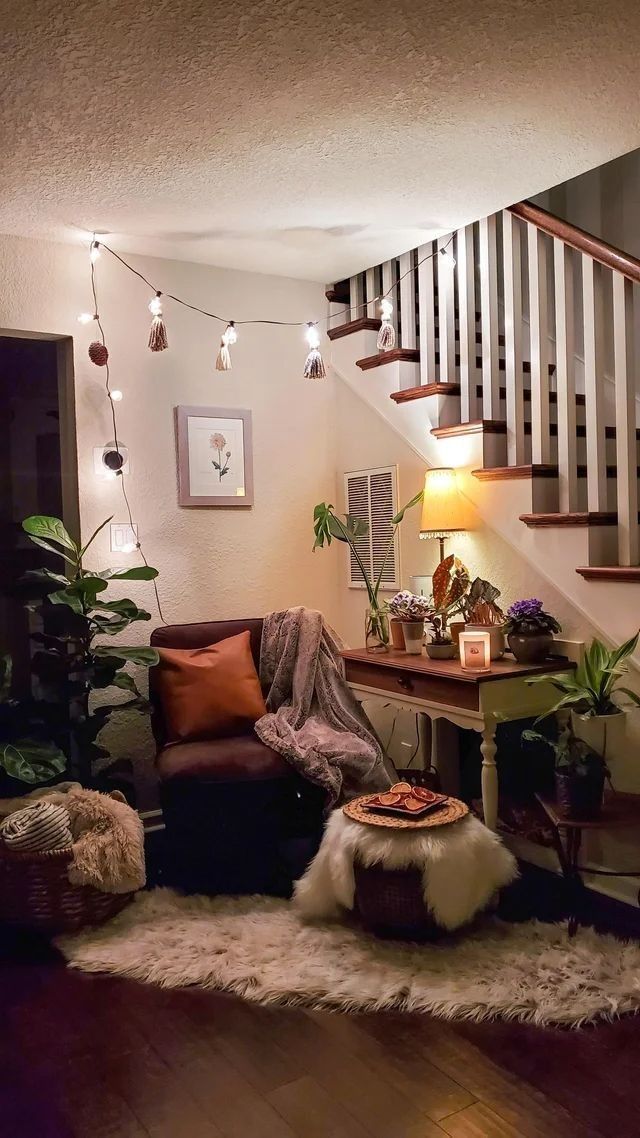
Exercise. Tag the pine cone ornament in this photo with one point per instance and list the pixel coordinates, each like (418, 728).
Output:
(98, 353)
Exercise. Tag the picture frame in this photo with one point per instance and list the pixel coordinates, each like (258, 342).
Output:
(214, 449)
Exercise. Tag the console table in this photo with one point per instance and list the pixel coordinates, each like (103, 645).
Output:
(441, 689)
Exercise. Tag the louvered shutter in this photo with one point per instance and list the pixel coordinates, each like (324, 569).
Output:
(372, 496)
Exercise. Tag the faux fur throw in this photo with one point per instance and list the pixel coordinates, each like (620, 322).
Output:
(313, 719)
(108, 836)
(462, 866)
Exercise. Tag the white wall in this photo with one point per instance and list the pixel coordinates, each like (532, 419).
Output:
(213, 563)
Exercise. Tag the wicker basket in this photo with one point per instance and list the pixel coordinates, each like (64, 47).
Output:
(389, 903)
(36, 893)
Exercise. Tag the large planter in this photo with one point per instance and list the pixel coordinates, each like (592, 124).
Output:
(603, 733)
(496, 638)
(413, 632)
(530, 647)
(579, 797)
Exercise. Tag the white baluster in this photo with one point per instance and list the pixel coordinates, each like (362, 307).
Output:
(426, 314)
(566, 377)
(489, 315)
(593, 324)
(446, 313)
(356, 297)
(512, 268)
(539, 345)
(467, 323)
(389, 288)
(626, 450)
(373, 308)
(407, 291)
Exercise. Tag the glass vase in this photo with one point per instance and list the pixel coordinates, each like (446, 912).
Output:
(376, 629)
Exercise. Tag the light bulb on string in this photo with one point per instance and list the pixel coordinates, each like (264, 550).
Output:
(158, 334)
(115, 396)
(87, 317)
(314, 363)
(387, 334)
(94, 252)
(229, 336)
(448, 258)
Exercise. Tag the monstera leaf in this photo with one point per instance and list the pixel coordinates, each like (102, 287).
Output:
(450, 582)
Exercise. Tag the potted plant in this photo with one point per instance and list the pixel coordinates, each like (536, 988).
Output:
(70, 664)
(450, 584)
(483, 614)
(580, 773)
(529, 631)
(27, 754)
(593, 692)
(411, 611)
(327, 526)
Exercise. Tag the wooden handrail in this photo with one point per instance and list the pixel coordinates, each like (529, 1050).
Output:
(579, 239)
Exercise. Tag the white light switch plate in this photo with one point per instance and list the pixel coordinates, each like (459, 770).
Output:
(124, 538)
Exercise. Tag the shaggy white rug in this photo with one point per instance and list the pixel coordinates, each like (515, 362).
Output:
(259, 948)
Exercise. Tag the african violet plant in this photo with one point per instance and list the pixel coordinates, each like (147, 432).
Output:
(409, 607)
(70, 664)
(528, 617)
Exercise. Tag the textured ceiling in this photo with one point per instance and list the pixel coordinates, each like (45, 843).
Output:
(299, 137)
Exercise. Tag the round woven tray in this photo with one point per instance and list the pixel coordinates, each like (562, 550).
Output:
(452, 811)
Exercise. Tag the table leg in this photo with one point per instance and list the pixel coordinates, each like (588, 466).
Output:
(489, 775)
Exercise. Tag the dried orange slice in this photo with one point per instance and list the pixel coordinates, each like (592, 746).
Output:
(413, 804)
(401, 788)
(425, 794)
(388, 799)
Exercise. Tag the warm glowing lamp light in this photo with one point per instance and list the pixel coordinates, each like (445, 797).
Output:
(444, 510)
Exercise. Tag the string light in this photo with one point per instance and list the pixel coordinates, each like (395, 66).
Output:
(94, 252)
(447, 257)
(115, 395)
(314, 363)
(87, 317)
(229, 337)
(158, 333)
(387, 334)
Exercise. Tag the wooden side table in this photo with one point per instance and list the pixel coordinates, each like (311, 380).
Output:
(619, 811)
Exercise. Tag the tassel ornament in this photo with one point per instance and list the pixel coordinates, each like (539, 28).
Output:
(98, 353)
(314, 363)
(223, 359)
(158, 334)
(387, 334)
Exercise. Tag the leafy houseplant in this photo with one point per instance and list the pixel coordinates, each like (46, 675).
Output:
(450, 583)
(589, 691)
(482, 613)
(327, 526)
(579, 770)
(26, 754)
(70, 665)
(411, 610)
(529, 631)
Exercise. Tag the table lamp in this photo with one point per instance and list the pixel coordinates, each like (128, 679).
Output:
(444, 510)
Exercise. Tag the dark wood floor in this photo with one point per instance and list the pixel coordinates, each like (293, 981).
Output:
(95, 1057)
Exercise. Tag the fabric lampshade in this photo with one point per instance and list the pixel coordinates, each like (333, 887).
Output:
(444, 510)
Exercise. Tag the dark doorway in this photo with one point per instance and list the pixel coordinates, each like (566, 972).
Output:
(38, 472)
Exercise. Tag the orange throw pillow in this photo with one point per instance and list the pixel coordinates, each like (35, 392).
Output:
(212, 691)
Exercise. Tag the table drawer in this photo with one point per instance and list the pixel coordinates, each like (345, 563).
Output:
(402, 681)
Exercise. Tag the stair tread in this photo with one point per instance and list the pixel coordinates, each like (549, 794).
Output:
(474, 427)
(503, 473)
(362, 324)
(395, 355)
(618, 573)
(577, 518)
(408, 394)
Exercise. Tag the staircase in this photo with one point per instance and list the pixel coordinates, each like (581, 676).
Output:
(514, 362)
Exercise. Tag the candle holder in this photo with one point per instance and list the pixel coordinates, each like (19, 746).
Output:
(475, 651)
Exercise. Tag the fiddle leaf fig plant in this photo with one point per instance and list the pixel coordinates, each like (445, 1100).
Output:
(70, 665)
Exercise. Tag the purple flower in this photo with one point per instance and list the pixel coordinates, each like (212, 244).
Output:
(529, 616)
(521, 610)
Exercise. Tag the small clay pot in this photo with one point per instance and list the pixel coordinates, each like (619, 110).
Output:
(580, 796)
(397, 635)
(530, 647)
(441, 651)
(413, 632)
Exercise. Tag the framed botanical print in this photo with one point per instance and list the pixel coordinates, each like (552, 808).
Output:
(215, 458)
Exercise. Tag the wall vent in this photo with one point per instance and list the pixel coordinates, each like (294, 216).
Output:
(372, 495)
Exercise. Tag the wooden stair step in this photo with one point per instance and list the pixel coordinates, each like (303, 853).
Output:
(619, 573)
(395, 355)
(339, 293)
(505, 473)
(474, 427)
(408, 394)
(362, 324)
(579, 518)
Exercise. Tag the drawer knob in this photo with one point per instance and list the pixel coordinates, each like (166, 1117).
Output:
(406, 683)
